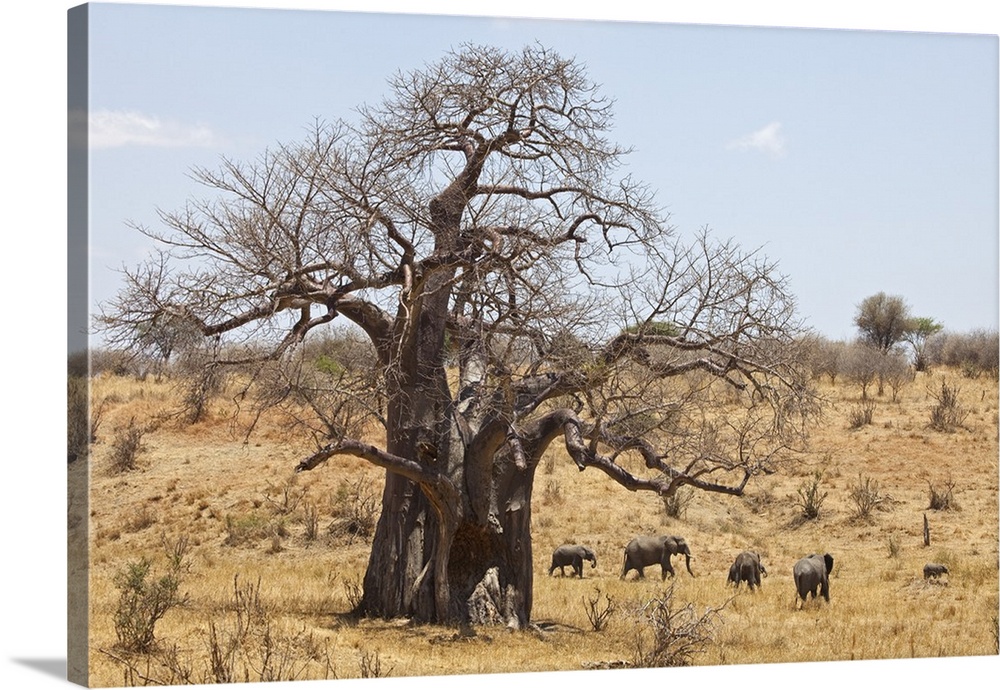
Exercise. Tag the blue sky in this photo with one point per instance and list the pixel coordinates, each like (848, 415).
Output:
(862, 161)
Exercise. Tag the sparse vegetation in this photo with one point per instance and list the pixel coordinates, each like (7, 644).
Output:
(810, 497)
(126, 446)
(862, 414)
(942, 495)
(197, 485)
(676, 504)
(355, 508)
(143, 599)
(949, 414)
(892, 543)
(598, 612)
(370, 664)
(672, 634)
(867, 496)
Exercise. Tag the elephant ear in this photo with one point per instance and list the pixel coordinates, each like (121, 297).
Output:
(828, 559)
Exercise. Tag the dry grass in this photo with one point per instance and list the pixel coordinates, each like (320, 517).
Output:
(246, 518)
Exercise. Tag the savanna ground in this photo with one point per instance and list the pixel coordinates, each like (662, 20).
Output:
(270, 562)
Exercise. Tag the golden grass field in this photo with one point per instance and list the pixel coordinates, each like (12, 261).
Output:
(244, 514)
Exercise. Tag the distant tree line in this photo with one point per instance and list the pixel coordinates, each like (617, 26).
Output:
(974, 354)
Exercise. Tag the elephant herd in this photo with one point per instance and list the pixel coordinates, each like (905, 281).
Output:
(811, 573)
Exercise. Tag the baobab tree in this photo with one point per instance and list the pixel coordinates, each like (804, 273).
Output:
(518, 295)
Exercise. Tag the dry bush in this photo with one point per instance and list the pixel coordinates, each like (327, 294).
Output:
(353, 591)
(760, 501)
(284, 499)
(310, 518)
(355, 508)
(675, 505)
(810, 498)
(126, 446)
(248, 645)
(79, 431)
(198, 382)
(552, 494)
(892, 544)
(597, 612)
(974, 353)
(245, 643)
(949, 414)
(370, 665)
(942, 497)
(861, 415)
(249, 528)
(867, 496)
(672, 635)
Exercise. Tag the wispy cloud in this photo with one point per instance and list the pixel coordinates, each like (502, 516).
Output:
(106, 129)
(768, 140)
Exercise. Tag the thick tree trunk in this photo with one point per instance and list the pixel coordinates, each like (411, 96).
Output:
(489, 560)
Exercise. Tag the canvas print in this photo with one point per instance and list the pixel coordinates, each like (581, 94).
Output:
(414, 345)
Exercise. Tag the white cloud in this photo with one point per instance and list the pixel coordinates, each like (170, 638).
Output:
(107, 129)
(767, 139)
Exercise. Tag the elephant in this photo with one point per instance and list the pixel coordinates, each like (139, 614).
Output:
(813, 573)
(747, 568)
(934, 570)
(572, 555)
(649, 550)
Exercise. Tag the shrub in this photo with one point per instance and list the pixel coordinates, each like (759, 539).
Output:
(974, 353)
(284, 499)
(761, 501)
(598, 613)
(142, 601)
(675, 504)
(552, 494)
(248, 527)
(942, 497)
(948, 414)
(311, 520)
(126, 446)
(370, 665)
(861, 415)
(670, 635)
(355, 509)
(199, 390)
(867, 496)
(892, 544)
(810, 498)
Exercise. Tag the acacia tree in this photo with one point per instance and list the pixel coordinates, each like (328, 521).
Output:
(883, 320)
(519, 295)
(921, 329)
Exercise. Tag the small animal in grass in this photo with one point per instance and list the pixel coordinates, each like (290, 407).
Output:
(933, 571)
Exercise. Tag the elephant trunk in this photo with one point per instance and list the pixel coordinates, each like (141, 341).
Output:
(687, 562)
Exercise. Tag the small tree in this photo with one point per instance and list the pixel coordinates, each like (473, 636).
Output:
(142, 602)
(918, 332)
(883, 320)
(861, 366)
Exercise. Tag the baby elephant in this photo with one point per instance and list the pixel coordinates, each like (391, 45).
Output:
(934, 570)
(747, 568)
(812, 574)
(572, 555)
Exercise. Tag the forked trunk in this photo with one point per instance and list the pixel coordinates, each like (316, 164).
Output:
(489, 561)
